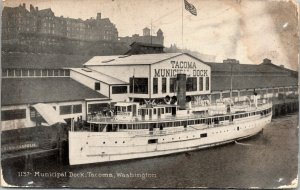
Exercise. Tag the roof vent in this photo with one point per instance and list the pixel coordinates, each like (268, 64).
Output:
(106, 61)
(123, 56)
(86, 70)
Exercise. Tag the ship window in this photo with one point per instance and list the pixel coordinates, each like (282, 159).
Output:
(238, 128)
(152, 141)
(154, 111)
(162, 110)
(129, 108)
(203, 135)
(227, 118)
(123, 109)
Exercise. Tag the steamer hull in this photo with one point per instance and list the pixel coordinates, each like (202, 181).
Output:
(96, 147)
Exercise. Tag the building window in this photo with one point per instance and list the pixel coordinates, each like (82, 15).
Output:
(13, 114)
(56, 72)
(18, 72)
(61, 72)
(207, 83)
(77, 108)
(92, 108)
(155, 85)
(139, 85)
(38, 72)
(50, 72)
(11, 72)
(67, 72)
(119, 89)
(191, 84)
(4, 72)
(31, 72)
(65, 110)
(172, 84)
(97, 85)
(44, 72)
(164, 85)
(201, 84)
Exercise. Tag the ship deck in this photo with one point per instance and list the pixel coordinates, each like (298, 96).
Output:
(167, 118)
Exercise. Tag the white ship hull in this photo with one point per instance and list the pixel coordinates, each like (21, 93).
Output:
(95, 147)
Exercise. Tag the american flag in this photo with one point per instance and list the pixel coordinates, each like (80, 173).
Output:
(190, 7)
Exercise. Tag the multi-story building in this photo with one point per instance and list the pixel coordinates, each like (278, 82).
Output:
(146, 38)
(37, 30)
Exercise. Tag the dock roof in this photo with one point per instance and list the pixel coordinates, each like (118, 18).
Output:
(140, 59)
(99, 76)
(18, 91)
(220, 83)
(18, 60)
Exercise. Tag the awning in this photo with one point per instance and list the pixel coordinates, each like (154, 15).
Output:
(48, 113)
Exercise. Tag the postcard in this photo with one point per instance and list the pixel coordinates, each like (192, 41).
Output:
(149, 94)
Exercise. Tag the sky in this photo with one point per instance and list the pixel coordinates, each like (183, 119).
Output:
(247, 30)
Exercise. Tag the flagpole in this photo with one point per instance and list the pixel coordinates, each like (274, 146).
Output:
(182, 27)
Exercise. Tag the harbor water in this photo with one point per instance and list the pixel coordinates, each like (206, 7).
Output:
(268, 160)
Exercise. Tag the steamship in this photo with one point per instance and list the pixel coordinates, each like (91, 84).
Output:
(134, 131)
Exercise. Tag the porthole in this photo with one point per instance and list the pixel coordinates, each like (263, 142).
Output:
(116, 142)
(123, 141)
(172, 138)
(103, 142)
(179, 138)
(163, 139)
(187, 137)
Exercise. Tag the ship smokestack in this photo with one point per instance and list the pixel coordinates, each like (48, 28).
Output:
(181, 90)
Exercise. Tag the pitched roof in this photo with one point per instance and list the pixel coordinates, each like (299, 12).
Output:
(99, 76)
(219, 83)
(41, 61)
(16, 91)
(261, 68)
(146, 44)
(140, 59)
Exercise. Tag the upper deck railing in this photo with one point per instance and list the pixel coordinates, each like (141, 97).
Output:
(166, 118)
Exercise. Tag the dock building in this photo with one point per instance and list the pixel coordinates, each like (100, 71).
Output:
(77, 86)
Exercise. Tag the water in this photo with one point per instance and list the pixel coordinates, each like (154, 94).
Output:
(267, 160)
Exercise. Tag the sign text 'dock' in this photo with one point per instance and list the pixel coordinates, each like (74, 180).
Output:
(186, 67)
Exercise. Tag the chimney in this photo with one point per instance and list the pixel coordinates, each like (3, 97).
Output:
(24, 5)
(98, 16)
(231, 61)
(31, 8)
(267, 61)
(181, 90)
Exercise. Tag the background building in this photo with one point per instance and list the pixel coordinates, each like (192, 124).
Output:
(146, 38)
(37, 30)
